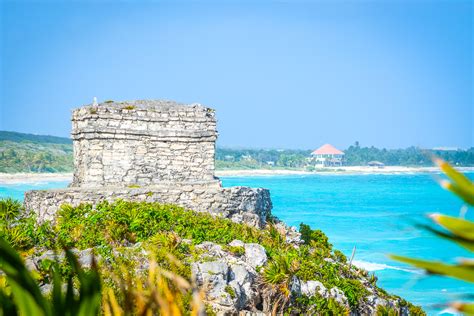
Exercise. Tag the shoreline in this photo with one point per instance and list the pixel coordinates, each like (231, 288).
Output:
(23, 177)
(345, 170)
(19, 178)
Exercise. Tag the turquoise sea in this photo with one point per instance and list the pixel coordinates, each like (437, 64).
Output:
(374, 212)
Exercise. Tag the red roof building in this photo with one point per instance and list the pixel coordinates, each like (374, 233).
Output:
(327, 149)
(328, 156)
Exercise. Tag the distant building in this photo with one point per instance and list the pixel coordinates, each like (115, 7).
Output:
(229, 158)
(328, 156)
(246, 157)
(375, 163)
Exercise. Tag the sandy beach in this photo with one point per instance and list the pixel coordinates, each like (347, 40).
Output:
(17, 178)
(336, 170)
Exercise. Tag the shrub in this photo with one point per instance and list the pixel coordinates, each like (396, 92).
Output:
(354, 291)
(317, 305)
(9, 209)
(230, 290)
(22, 295)
(339, 256)
(159, 292)
(315, 236)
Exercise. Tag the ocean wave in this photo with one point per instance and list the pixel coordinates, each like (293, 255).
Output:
(373, 266)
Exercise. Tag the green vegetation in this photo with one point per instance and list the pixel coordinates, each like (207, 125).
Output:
(230, 290)
(21, 295)
(169, 233)
(31, 153)
(411, 156)
(261, 158)
(455, 229)
(37, 139)
(85, 292)
(318, 305)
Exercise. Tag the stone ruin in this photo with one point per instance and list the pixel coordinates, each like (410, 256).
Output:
(154, 151)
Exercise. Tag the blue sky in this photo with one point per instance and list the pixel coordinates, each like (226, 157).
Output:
(293, 74)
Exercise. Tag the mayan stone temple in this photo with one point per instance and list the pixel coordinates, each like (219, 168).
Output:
(156, 151)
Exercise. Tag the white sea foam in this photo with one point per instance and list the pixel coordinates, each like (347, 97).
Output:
(373, 266)
(449, 311)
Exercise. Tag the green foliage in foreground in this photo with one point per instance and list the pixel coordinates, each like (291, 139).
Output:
(22, 295)
(165, 229)
(458, 230)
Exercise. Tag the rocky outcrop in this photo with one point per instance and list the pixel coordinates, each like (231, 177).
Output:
(232, 280)
(233, 285)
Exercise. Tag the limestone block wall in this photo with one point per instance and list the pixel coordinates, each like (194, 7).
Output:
(142, 142)
(240, 204)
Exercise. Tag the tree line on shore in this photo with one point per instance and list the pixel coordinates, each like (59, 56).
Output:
(34, 153)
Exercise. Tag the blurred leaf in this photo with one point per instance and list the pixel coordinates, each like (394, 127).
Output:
(460, 185)
(457, 177)
(24, 301)
(466, 195)
(24, 286)
(467, 244)
(465, 308)
(457, 226)
(461, 271)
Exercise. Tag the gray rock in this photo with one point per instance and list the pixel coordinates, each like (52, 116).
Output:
(46, 289)
(295, 286)
(207, 270)
(85, 258)
(236, 243)
(338, 295)
(241, 274)
(311, 288)
(255, 255)
(30, 264)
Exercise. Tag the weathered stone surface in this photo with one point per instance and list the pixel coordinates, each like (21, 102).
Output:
(201, 197)
(142, 142)
(255, 255)
(311, 288)
(232, 286)
(339, 296)
(229, 281)
(156, 151)
(236, 243)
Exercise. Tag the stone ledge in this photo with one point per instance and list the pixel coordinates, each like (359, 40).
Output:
(239, 204)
